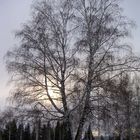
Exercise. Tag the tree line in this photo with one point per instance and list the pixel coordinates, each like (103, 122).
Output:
(14, 131)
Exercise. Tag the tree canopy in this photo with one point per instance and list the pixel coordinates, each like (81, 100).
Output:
(71, 52)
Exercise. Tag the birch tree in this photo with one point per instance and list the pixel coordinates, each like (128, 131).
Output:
(68, 51)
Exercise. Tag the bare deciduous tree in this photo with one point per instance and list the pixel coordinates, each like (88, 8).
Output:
(69, 50)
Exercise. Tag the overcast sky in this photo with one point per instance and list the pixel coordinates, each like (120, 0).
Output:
(13, 13)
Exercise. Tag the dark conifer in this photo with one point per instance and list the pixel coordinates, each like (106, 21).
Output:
(117, 138)
(66, 133)
(33, 134)
(58, 131)
(102, 138)
(10, 131)
(6, 132)
(48, 131)
(20, 132)
(88, 134)
(14, 130)
(27, 133)
(0, 134)
(37, 129)
(52, 133)
(44, 132)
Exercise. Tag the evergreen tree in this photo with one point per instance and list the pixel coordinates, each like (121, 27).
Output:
(48, 133)
(58, 131)
(111, 138)
(10, 131)
(88, 134)
(33, 134)
(117, 138)
(0, 135)
(6, 132)
(44, 132)
(102, 138)
(13, 128)
(62, 128)
(66, 134)
(37, 129)
(20, 132)
(27, 132)
(52, 133)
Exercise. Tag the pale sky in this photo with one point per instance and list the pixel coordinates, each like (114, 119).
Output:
(13, 13)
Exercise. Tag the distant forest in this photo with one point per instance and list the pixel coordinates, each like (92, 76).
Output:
(14, 131)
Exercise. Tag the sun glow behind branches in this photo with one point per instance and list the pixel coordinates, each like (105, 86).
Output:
(54, 93)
